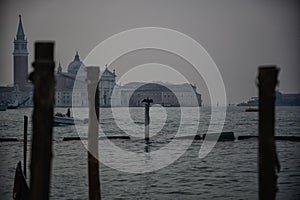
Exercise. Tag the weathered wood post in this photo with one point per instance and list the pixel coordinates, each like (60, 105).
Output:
(93, 126)
(267, 151)
(147, 117)
(42, 120)
(25, 145)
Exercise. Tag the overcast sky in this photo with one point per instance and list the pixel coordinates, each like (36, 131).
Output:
(239, 35)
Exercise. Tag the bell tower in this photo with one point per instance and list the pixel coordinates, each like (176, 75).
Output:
(20, 55)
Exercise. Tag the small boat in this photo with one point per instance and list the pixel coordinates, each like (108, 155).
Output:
(3, 107)
(21, 189)
(252, 109)
(14, 105)
(60, 119)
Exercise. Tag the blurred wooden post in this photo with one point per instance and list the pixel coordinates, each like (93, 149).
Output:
(93, 126)
(25, 145)
(42, 120)
(267, 152)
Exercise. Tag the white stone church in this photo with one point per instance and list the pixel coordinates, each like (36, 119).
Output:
(69, 92)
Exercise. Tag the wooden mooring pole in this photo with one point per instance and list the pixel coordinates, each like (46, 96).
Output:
(147, 117)
(25, 145)
(267, 157)
(147, 121)
(42, 120)
(93, 126)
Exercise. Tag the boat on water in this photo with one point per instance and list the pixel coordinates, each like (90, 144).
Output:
(3, 107)
(14, 105)
(252, 109)
(60, 119)
(253, 101)
(21, 189)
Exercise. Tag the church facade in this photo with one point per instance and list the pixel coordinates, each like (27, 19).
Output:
(69, 92)
(21, 92)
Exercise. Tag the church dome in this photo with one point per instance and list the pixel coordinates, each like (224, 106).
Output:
(75, 64)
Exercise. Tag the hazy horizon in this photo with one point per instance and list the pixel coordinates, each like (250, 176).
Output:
(238, 35)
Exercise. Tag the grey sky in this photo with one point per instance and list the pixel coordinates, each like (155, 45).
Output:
(238, 34)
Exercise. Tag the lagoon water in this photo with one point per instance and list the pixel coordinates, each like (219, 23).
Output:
(229, 171)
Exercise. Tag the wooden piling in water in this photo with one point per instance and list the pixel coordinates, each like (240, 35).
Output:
(25, 145)
(93, 126)
(147, 121)
(42, 120)
(267, 156)
(147, 117)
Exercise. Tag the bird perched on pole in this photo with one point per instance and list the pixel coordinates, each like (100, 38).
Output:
(148, 101)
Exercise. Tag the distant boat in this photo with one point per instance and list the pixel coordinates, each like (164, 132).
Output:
(252, 109)
(3, 107)
(251, 102)
(16, 104)
(60, 119)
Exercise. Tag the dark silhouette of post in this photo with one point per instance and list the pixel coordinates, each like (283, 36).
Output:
(147, 117)
(93, 126)
(267, 151)
(42, 120)
(25, 145)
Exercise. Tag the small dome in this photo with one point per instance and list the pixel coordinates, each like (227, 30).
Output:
(75, 65)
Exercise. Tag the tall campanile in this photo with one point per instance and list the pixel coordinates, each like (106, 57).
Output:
(20, 57)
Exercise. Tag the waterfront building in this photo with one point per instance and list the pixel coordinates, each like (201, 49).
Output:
(111, 94)
(165, 94)
(67, 95)
(287, 99)
(106, 87)
(282, 99)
